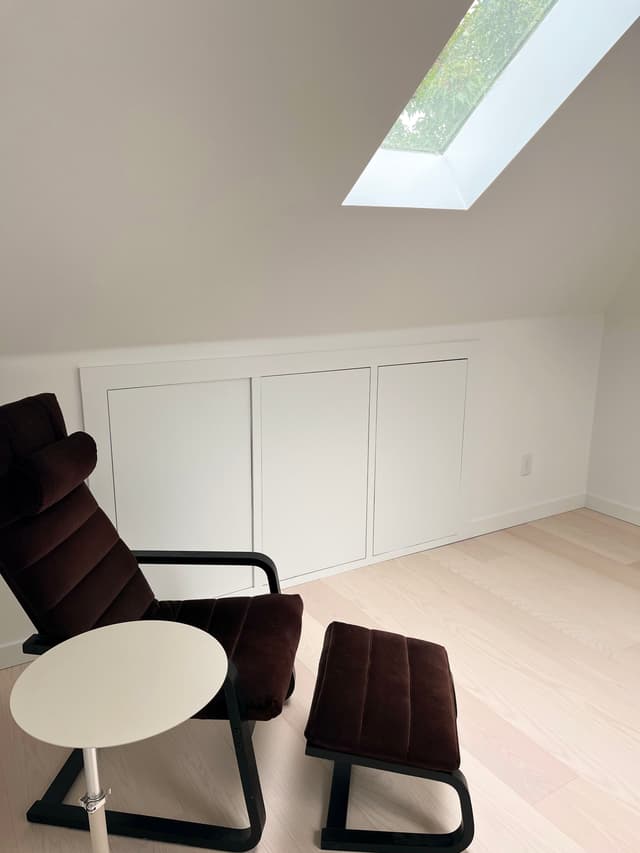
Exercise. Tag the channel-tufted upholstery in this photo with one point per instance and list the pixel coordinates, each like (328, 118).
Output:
(59, 553)
(384, 696)
(259, 634)
(67, 566)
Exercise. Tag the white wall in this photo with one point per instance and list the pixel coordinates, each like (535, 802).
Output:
(532, 391)
(532, 388)
(614, 477)
(153, 192)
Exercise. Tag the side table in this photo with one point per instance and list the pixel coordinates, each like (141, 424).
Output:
(113, 686)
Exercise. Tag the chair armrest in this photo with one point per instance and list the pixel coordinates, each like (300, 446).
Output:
(36, 644)
(213, 558)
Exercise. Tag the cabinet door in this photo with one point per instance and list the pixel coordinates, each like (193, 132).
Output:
(182, 478)
(315, 430)
(418, 453)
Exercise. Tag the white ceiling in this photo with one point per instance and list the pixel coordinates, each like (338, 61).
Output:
(172, 170)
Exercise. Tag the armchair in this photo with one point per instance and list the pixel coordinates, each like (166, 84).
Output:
(70, 571)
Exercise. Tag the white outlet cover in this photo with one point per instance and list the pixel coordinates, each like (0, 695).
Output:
(526, 464)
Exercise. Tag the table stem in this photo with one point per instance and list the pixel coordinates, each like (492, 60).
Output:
(94, 802)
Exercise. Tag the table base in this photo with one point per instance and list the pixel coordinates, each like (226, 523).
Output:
(53, 811)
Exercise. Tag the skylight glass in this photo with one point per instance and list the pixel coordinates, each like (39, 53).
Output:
(484, 43)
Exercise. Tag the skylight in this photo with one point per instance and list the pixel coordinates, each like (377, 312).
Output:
(483, 44)
(505, 70)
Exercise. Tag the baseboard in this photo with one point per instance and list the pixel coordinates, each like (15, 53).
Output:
(11, 654)
(522, 515)
(617, 510)
(320, 574)
(476, 527)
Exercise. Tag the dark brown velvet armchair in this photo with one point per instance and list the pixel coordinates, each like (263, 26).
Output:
(70, 571)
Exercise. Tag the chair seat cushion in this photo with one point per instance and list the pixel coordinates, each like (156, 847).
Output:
(386, 697)
(259, 634)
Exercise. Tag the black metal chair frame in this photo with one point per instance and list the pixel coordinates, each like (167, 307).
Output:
(336, 836)
(52, 810)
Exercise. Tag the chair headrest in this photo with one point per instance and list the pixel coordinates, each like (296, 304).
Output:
(40, 480)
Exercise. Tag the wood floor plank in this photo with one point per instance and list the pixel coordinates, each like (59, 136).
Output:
(594, 820)
(600, 539)
(591, 522)
(478, 548)
(623, 527)
(539, 623)
(551, 550)
(516, 759)
(505, 822)
(581, 556)
(561, 594)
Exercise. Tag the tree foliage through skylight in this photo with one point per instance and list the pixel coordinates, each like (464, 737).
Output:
(483, 44)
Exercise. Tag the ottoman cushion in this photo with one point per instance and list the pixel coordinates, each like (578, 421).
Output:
(383, 696)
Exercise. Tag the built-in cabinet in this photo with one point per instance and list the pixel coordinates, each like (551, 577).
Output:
(315, 453)
(182, 477)
(319, 468)
(419, 431)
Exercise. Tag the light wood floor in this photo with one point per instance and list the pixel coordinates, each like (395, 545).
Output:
(543, 630)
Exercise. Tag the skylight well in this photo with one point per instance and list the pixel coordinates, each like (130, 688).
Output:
(507, 67)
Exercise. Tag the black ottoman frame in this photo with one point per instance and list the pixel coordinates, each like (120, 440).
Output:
(336, 836)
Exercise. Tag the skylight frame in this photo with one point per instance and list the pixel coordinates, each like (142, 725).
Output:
(530, 89)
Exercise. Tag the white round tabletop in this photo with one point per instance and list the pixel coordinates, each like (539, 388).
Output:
(118, 684)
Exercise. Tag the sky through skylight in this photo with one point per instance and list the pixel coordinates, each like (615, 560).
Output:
(483, 44)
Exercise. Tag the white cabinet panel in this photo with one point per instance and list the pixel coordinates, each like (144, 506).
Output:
(418, 452)
(182, 478)
(315, 429)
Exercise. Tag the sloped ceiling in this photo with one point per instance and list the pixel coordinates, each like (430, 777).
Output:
(173, 171)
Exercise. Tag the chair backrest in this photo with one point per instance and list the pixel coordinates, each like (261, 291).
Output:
(59, 553)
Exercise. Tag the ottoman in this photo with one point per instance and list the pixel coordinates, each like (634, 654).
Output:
(386, 701)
